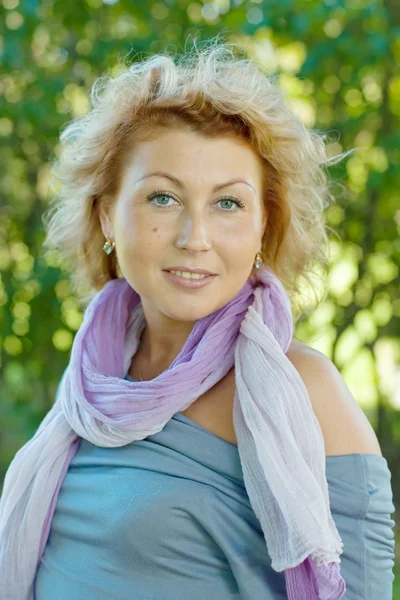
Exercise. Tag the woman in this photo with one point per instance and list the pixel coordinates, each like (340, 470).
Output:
(195, 449)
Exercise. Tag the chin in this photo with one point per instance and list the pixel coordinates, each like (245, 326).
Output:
(190, 311)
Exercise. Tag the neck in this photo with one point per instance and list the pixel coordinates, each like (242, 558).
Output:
(156, 352)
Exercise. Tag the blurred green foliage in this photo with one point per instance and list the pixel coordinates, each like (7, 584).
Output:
(339, 65)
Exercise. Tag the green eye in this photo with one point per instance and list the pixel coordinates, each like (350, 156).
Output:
(228, 200)
(162, 196)
(158, 194)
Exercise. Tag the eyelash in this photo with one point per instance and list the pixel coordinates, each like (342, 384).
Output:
(153, 195)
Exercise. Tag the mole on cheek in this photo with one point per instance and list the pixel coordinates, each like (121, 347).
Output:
(155, 229)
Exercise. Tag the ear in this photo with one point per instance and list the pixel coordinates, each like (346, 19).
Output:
(264, 224)
(106, 218)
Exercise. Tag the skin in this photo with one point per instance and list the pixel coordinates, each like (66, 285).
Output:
(196, 228)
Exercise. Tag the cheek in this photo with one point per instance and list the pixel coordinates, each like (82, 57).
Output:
(138, 238)
(240, 242)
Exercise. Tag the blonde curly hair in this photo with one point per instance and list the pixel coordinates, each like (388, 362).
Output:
(212, 91)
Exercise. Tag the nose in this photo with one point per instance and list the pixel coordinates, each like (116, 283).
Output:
(193, 233)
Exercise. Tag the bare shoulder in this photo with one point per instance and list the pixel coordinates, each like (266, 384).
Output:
(345, 427)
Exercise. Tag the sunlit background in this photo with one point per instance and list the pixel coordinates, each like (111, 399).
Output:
(339, 65)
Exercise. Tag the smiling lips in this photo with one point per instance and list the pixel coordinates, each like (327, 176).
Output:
(190, 270)
(187, 281)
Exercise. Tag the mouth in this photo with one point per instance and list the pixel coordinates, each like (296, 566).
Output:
(189, 282)
(190, 270)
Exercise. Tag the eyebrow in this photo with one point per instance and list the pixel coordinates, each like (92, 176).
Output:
(175, 180)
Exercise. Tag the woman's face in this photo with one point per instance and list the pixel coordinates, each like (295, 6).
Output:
(187, 222)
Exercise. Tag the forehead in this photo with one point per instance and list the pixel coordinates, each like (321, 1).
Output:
(194, 158)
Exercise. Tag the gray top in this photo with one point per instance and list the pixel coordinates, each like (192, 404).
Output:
(169, 517)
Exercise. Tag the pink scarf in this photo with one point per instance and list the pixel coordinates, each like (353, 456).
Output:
(280, 442)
